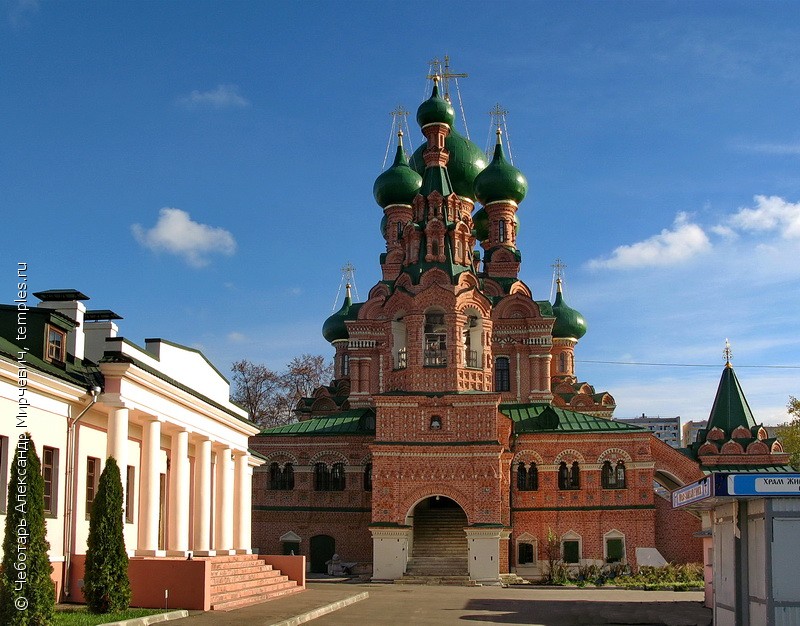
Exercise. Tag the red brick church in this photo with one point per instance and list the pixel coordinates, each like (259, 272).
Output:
(456, 436)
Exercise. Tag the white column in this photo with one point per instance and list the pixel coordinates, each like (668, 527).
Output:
(202, 499)
(179, 495)
(242, 504)
(223, 540)
(149, 490)
(117, 442)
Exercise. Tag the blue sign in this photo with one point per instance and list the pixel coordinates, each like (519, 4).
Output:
(763, 485)
(692, 493)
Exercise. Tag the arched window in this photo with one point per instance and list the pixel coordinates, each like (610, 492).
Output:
(575, 476)
(322, 478)
(337, 477)
(435, 347)
(562, 362)
(522, 477)
(620, 473)
(527, 478)
(368, 477)
(274, 475)
(502, 374)
(607, 476)
(569, 477)
(287, 477)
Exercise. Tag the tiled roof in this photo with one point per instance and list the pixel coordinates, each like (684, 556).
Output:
(355, 422)
(534, 418)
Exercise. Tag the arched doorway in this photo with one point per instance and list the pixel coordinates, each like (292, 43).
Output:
(323, 547)
(439, 544)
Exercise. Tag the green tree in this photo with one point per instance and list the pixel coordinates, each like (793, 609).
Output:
(789, 433)
(27, 593)
(106, 585)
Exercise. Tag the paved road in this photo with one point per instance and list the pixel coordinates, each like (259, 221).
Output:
(411, 605)
(396, 605)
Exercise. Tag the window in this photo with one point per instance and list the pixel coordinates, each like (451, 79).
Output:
(501, 231)
(368, 477)
(562, 362)
(399, 230)
(4, 454)
(291, 547)
(56, 344)
(50, 475)
(322, 478)
(615, 549)
(525, 553)
(281, 478)
(337, 477)
(569, 477)
(527, 478)
(502, 374)
(436, 422)
(92, 480)
(572, 551)
(435, 352)
(130, 483)
(345, 365)
(613, 477)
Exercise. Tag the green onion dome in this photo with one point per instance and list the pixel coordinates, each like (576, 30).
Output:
(334, 327)
(500, 180)
(399, 184)
(569, 323)
(466, 161)
(435, 110)
(480, 224)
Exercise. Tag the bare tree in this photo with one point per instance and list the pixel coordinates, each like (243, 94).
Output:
(256, 388)
(270, 397)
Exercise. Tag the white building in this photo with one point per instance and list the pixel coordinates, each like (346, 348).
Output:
(162, 411)
(668, 429)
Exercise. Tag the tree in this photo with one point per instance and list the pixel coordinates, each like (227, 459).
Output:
(789, 433)
(106, 585)
(270, 397)
(27, 593)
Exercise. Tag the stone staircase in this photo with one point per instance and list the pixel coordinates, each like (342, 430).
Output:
(439, 555)
(244, 579)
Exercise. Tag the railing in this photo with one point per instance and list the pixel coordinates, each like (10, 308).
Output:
(435, 357)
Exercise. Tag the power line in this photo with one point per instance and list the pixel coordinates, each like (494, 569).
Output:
(787, 367)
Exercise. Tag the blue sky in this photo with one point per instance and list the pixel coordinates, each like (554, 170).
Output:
(660, 140)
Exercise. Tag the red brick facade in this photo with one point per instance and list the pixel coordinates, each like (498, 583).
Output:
(441, 349)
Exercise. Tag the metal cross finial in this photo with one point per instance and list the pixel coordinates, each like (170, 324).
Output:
(558, 268)
(498, 123)
(348, 280)
(727, 353)
(498, 115)
(442, 70)
(399, 123)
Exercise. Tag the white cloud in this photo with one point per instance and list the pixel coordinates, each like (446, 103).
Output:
(223, 97)
(236, 337)
(669, 247)
(770, 214)
(771, 148)
(176, 233)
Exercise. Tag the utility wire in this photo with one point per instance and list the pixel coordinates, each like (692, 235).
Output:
(788, 367)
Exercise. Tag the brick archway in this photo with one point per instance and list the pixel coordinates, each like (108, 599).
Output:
(439, 543)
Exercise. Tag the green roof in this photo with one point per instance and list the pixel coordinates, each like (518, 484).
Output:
(83, 374)
(537, 418)
(749, 469)
(500, 180)
(354, 422)
(730, 408)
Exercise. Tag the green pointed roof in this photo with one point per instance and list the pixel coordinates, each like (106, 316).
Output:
(435, 110)
(569, 323)
(730, 408)
(398, 184)
(466, 161)
(500, 180)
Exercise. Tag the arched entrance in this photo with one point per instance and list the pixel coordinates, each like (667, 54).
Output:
(439, 544)
(323, 547)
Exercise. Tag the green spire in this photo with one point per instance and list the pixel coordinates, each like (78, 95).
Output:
(730, 408)
(435, 110)
(399, 184)
(500, 180)
(569, 323)
(334, 327)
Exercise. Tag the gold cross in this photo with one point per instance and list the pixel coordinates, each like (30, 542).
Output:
(443, 72)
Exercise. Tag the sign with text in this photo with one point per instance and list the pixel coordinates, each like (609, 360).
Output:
(692, 493)
(761, 485)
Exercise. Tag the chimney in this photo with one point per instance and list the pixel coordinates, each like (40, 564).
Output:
(68, 303)
(99, 327)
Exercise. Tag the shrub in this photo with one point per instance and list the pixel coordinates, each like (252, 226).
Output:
(31, 601)
(106, 584)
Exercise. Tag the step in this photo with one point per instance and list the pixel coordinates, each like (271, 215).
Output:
(254, 599)
(240, 593)
(227, 558)
(250, 570)
(462, 581)
(247, 583)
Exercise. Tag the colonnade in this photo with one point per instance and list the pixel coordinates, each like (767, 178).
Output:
(217, 521)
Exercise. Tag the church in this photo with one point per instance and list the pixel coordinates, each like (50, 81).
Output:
(456, 440)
